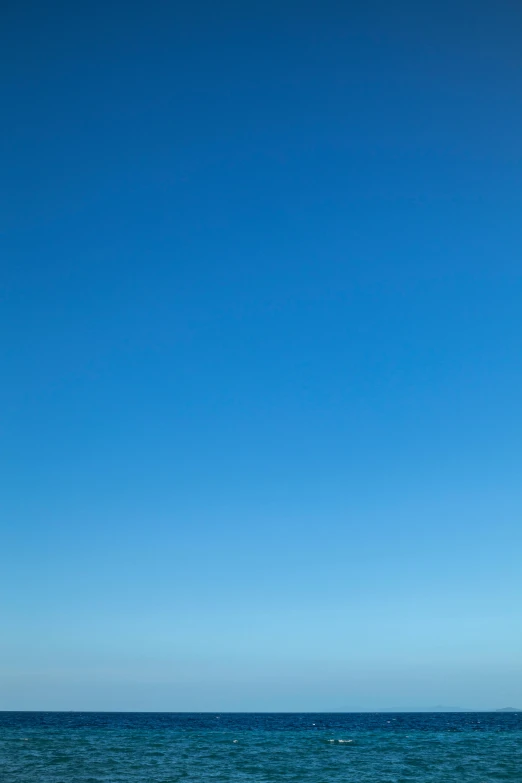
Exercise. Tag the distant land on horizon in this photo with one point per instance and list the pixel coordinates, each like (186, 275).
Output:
(437, 708)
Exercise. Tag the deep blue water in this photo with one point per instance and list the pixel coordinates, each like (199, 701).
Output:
(315, 748)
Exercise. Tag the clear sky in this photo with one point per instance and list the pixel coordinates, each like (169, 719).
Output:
(261, 353)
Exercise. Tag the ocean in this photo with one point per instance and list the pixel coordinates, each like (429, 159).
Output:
(46, 747)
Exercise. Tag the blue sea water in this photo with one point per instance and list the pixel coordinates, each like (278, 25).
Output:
(312, 748)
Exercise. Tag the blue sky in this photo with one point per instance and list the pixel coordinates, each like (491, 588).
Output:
(261, 318)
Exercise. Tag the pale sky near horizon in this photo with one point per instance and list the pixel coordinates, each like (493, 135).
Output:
(261, 350)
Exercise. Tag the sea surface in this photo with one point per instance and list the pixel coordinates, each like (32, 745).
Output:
(312, 748)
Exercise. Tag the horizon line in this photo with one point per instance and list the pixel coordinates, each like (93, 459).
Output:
(382, 711)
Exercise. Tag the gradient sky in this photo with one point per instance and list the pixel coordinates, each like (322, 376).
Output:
(261, 351)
